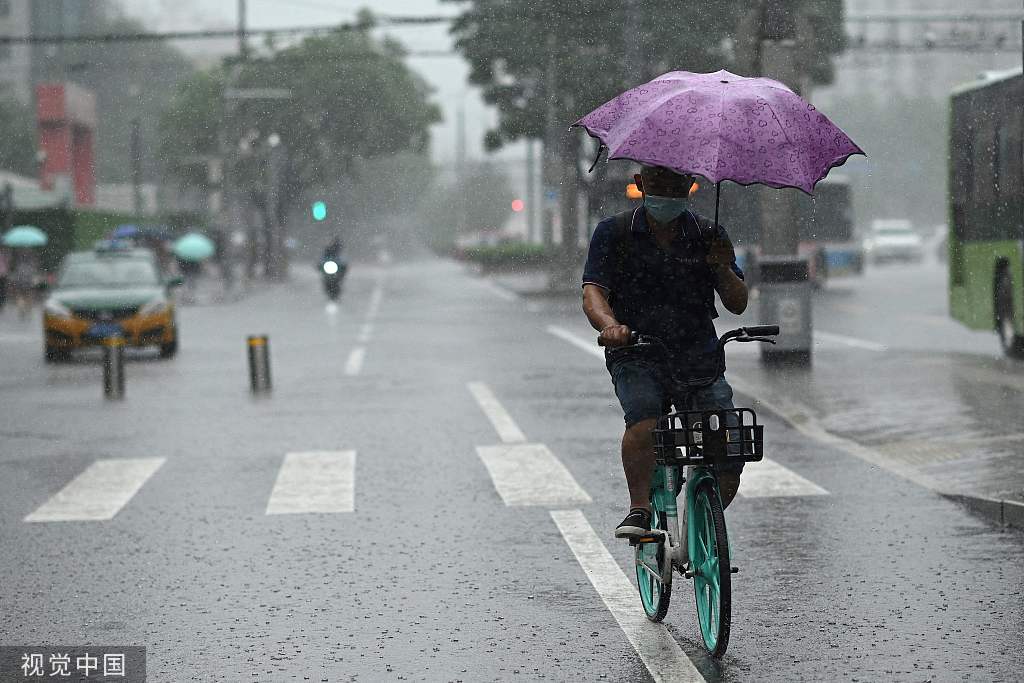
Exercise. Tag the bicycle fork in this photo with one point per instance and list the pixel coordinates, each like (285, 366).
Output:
(676, 554)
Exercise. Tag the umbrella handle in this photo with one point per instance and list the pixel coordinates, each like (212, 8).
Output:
(597, 158)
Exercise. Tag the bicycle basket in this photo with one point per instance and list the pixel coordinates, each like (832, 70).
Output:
(709, 437)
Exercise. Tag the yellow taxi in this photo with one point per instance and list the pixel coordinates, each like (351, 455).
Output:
(110, 292)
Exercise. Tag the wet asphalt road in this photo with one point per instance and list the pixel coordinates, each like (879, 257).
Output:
(432, 576)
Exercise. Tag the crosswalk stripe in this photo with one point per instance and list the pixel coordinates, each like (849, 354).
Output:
(530, 474)
(355, 361)
(769, 479)
(508, 430)
(99, 492)
(658, 650)
(314, 481)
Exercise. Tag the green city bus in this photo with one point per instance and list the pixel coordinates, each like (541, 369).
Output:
(986, 207)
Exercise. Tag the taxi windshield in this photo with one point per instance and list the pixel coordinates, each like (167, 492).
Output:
(109, 272)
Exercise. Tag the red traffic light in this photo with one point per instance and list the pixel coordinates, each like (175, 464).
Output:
(518, 205)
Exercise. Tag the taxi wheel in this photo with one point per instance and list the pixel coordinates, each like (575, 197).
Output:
(170, 349)
(54, 355)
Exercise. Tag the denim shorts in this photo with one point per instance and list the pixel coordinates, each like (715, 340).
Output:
(644, 396)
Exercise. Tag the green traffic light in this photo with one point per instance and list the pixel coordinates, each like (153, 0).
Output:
(319, 211)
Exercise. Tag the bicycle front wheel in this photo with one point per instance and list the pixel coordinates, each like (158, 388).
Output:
(712, 577)
(654, 594)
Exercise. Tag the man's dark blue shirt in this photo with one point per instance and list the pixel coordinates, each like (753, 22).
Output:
(669, 294)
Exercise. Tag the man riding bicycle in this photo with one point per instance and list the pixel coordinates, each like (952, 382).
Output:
(656, 270)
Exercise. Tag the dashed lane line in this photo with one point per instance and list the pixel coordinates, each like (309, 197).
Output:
(365, 332)
(530, 474)
(508, 430)
(354, 364)
(99, 492)
(374, 307)
(590, 347)
(314, 482)
(658, 650)
(499, 291)
(848, 341)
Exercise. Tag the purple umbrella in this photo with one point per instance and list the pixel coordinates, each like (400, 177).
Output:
(723, 127)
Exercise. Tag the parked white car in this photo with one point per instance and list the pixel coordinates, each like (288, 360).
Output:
(893, 239)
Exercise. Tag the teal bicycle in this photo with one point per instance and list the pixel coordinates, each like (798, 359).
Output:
(700, 440)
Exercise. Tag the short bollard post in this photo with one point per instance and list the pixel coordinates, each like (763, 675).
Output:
(259, 363)
(113, 367)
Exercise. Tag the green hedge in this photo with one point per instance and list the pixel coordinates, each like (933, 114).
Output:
(509, 255)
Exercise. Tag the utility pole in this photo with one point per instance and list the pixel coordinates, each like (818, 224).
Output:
(785, 292)
(136, 152)
(7, 201)
(531, 191)
(549, 170)
(243, 47)
(780, 230)
(460, 166)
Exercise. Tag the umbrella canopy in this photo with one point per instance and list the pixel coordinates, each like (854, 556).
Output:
(194, 247)
(25, 236)
(723, 127)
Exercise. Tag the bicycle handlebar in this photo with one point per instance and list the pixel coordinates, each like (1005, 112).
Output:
(761, 330)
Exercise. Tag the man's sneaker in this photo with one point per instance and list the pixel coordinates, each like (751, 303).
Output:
(636, 524)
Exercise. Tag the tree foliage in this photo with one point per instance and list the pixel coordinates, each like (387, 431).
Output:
(536, 58)
(352, 98)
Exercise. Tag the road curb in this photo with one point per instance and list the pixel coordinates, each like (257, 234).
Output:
(1002, 512)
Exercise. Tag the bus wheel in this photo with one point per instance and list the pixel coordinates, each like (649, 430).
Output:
(1012, 343)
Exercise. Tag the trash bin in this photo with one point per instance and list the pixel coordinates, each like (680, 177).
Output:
(784, 294)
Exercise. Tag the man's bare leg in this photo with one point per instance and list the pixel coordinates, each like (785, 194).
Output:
(638, 462)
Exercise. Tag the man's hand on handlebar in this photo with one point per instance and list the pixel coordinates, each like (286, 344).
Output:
(615, 335)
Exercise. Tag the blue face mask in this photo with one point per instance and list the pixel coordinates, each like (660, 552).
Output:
(665, 209)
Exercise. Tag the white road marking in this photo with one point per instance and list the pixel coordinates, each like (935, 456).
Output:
(590, 347)
(499, 291)
(365, 332)
(314, 481)
(658, 650)
(530, 474)
(375, 297)
(99, 492)
(506, 427)
(848, 341)
(769, 479)
(354, 365)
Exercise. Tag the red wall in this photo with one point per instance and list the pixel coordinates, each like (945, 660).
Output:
(66, 116)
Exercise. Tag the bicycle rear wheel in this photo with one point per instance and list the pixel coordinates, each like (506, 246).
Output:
(654, 595)
(712, 577)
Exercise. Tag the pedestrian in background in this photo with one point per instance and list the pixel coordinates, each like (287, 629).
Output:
(5, 267)
(24, 281)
